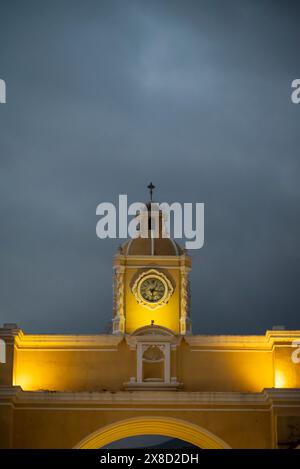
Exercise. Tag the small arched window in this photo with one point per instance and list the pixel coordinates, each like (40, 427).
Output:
(153, 363)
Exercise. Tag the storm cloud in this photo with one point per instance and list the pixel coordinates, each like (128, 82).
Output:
(104, 97)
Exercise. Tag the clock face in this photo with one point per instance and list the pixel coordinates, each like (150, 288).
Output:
(152, 289)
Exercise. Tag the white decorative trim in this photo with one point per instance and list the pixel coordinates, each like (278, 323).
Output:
(267, 399)
(141, 340)
(184, 322)
(153, 334)
(119, 314)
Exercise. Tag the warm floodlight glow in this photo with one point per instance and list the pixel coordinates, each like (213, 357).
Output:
(25, 381)
(280, 381)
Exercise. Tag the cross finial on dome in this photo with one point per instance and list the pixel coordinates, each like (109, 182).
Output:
(151, 187)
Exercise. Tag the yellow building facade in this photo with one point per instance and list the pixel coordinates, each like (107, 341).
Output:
(151, 375)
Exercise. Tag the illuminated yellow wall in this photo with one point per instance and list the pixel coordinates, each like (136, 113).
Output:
(206, 363)
(287, 373)
(232, 370)
(78, 428)
(228, 377)
(73, 370)
(82, 371)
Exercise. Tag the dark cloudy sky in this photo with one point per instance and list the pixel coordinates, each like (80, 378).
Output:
(104, 96)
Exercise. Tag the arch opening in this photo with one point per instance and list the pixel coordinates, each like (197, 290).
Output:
(150, 442)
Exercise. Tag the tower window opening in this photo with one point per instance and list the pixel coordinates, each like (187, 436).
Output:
(151, 224)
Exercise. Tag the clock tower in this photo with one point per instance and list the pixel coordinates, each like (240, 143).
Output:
(151, 280)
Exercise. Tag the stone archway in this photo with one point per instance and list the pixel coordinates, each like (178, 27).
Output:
(164, 426)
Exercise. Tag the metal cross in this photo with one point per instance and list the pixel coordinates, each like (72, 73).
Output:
(151, 187)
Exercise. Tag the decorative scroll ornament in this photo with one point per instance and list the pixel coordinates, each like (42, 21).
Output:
(185, 323)
(119, 318)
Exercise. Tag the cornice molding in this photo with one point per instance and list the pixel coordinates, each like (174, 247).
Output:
(242, 342)
(56, 342)
(268, 398)
(197, 343)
